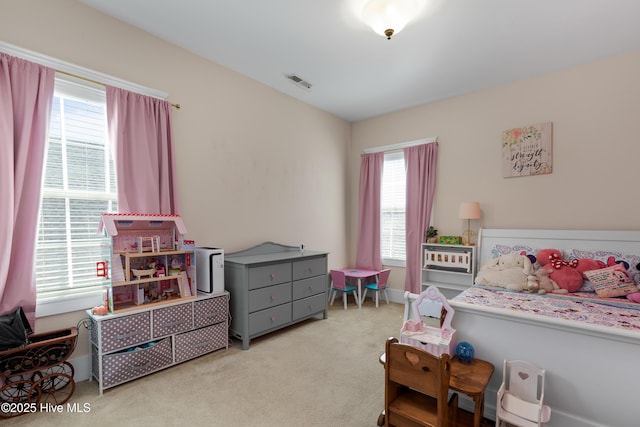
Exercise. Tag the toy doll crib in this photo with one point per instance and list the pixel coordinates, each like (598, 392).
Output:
(38, 373)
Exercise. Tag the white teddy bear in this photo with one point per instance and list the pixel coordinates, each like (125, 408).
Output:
(510, 271)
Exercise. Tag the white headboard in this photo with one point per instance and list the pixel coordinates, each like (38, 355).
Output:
(625, 242)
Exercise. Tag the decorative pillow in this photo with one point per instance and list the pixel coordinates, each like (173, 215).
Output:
(609, 258)
(611, 281)
(528, 251)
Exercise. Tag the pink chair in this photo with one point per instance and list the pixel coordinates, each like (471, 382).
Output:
(339, 283)
(381, 286)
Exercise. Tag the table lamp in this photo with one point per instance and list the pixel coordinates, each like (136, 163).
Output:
(468, 211)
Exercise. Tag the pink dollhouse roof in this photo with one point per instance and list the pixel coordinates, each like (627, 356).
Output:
(108, 221)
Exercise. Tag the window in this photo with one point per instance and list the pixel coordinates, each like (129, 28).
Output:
(78, 185)
(393, 207)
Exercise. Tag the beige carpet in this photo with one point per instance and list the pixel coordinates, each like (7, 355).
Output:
(317, 373)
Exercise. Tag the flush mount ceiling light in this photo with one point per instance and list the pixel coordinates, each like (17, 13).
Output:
(388, 17)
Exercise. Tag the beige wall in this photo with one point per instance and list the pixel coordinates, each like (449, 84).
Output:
(595, 110)
(253, 164)
(256, 165)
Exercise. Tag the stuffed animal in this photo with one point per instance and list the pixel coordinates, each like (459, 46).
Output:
(541, 283)
(564, 273)
(568, 275)
(510, 271)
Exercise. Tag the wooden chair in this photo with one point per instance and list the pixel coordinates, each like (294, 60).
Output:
(417, 388)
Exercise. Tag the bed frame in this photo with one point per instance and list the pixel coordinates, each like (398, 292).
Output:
(591, 377)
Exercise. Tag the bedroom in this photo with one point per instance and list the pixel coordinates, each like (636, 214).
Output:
(593, 107)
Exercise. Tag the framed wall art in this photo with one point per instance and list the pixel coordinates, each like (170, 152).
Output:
(527, 150)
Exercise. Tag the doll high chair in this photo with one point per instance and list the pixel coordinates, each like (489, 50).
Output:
(521, 396)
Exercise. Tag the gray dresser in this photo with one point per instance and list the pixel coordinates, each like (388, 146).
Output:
(273, 286)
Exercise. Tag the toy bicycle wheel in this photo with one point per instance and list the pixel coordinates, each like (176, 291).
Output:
(55, 389)
(62, 368)
(17, 392)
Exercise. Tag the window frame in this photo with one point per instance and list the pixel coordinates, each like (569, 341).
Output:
(58, 302)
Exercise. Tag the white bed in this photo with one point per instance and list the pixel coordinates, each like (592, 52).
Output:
(591, 378)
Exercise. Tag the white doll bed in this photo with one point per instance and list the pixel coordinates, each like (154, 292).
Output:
(590, 350)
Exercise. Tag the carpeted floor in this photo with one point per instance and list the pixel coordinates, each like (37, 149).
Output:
(317, 373)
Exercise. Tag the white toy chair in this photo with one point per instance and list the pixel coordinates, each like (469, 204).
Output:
(521, 396)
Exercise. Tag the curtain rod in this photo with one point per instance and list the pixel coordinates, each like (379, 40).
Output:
(400, 145)
(66, 73)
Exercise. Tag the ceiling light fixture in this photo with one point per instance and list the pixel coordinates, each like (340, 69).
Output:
(388, 17)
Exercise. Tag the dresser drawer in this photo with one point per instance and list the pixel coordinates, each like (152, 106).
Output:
(210, 311)
(265, 320)
(308, 306)
(268, 275)
(262, 298)
(125, 331)
(121, 367)
(201, 341)
(309, 267)
(171, 320)
(308, 287)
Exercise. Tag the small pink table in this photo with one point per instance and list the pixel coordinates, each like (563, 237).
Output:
(360, 274)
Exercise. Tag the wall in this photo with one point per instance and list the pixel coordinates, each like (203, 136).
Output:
(253, 165)
(594, 109)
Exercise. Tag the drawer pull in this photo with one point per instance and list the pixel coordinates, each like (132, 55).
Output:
(203, 344)
(273, 276)
(211, 314)
(310, 270)
(140, 366)
(173, 324)
(273, 297)
(127, 335)
(273, 318)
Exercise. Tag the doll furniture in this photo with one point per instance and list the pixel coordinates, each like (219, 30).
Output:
(417, 387)
(521, 396)
(571, 338)
(339, 284)
(379, 286)
(429, 327)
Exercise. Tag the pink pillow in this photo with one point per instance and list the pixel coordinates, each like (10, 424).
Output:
(611, 281)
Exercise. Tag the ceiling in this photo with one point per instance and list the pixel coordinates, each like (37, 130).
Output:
(453, 47)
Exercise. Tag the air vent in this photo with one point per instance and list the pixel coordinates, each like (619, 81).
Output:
(299, 82)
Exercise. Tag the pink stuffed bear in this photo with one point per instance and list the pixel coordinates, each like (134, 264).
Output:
(568, 275)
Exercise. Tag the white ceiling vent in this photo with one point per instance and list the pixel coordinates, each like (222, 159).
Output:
(299, 81)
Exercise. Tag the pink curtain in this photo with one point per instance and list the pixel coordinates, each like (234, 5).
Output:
(140, 129)
(26, 93)
(420, 161)
(368, 250)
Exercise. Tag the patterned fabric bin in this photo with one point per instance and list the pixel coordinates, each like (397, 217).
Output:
(195, 343)
(172, 320)
(127, 365)
(124, 332)
(210, 311)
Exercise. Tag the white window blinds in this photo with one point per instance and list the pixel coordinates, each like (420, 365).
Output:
(393, 207)
(78, 185)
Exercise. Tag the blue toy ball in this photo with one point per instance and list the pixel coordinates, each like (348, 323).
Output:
(465, 352)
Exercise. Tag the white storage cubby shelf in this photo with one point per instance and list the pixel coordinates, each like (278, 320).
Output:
(449, 267)
(149, 262)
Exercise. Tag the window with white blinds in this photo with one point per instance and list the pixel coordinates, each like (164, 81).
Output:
(78, 185)
(393, 208)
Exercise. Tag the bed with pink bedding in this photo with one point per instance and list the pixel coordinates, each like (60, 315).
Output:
(588, 345)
